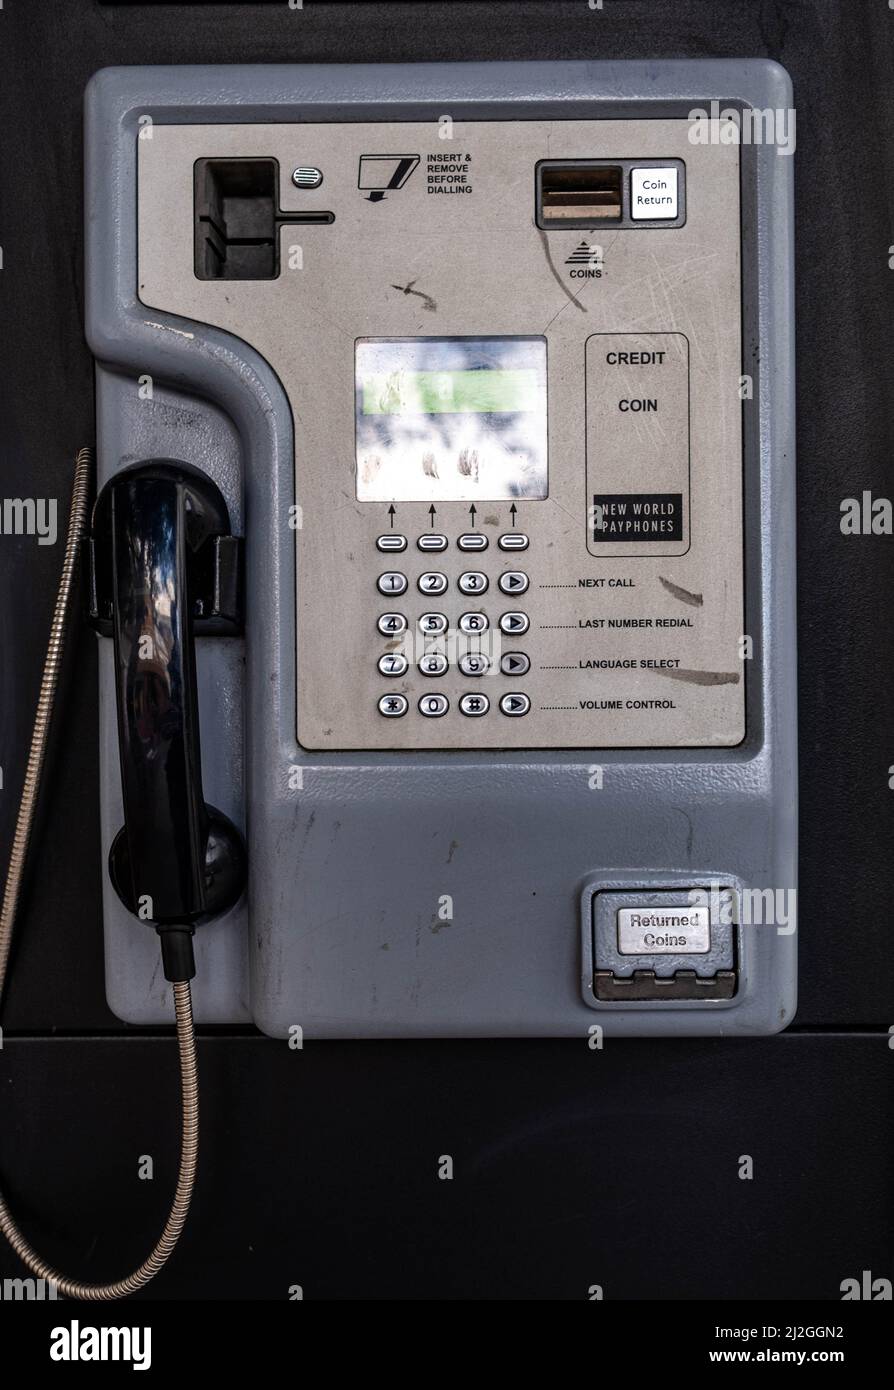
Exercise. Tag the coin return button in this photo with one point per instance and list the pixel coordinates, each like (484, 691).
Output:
(653, 194)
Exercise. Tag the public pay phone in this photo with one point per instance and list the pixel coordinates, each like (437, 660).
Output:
(480, 377)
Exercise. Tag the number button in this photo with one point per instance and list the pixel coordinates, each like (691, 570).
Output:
(431, 583)
(473, 622)
(472, 582)
(473, 664)
(514, 623)
(392, 582)
(432, 706)
(393, 706)
(433, 664)
(433, 624)
(389, 623)
(474, 704)
(391, 542)
(393, 664)
(515, 704)
(513, 582)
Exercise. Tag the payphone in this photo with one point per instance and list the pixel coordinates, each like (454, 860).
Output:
(492, 367)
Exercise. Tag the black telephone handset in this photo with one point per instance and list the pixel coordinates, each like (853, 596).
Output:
(160, 534)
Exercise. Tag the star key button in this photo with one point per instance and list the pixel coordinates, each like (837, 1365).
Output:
(393, 706)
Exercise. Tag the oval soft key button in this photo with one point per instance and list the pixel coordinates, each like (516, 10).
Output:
(391, 582)
(473, 540)
(432, 541)
(513, 582)
(513, 540)
(391, 542)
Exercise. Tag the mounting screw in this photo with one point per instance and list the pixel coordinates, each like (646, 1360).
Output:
(305, 177)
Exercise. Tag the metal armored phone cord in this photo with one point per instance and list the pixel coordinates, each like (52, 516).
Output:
(186, 1041)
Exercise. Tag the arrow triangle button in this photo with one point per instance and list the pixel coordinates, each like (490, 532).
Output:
(515, 704)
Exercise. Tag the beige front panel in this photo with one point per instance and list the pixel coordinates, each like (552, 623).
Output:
(633, 641)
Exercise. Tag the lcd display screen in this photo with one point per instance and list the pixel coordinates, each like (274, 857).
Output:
(450, 419)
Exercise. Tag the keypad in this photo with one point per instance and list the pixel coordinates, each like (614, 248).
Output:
(431, 661)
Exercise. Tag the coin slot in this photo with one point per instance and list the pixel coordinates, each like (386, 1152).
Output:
(578, 194)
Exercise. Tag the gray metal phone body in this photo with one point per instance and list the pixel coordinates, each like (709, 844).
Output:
(436, 892)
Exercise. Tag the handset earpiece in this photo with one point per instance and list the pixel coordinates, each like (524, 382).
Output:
(177, 861)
